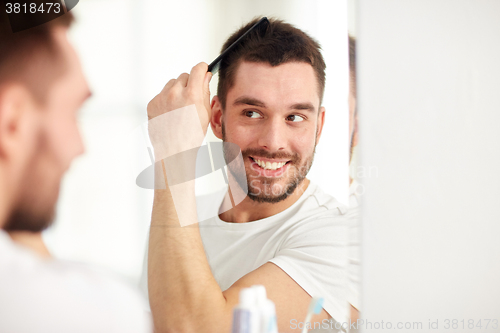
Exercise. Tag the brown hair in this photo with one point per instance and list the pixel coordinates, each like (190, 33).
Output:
(279, 43)
(352, 63)
(31, 57)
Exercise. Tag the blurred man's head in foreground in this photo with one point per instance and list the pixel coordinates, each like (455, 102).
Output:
(42, 88)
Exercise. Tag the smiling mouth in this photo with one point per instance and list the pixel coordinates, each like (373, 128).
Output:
(266, 165)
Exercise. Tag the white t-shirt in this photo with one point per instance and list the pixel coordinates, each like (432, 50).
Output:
(48, 295)
(309, 241)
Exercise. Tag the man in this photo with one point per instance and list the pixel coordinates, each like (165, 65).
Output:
(41, 89)
(286, 234)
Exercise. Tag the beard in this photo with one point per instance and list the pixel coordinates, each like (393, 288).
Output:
(34, 210)
(261, 188)
(27, 219)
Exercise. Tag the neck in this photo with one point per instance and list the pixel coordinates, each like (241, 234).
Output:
(32, 241)
(248, 210)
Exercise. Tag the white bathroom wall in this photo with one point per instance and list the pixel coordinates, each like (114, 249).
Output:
(429, 82)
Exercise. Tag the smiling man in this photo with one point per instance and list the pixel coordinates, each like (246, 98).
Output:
(286, 234)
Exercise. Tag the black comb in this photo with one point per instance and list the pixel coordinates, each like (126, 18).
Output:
(214, 66)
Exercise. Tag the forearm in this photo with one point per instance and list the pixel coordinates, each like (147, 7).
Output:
(183, 293)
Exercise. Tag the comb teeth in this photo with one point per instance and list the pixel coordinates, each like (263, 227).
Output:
(215, 68)
(214, 65)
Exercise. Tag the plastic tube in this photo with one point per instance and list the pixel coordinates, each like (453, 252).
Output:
(267, 311)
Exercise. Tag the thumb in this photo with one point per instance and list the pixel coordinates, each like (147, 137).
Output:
(206, 92)
(206, 83)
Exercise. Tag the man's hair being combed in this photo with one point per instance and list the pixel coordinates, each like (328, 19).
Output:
(277, 44)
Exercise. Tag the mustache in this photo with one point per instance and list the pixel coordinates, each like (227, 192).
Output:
(265, 154)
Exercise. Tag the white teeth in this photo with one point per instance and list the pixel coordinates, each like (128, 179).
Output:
(269, 165)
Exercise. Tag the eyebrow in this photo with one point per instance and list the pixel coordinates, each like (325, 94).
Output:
(303, 106)
(249, 101)
(245, 100)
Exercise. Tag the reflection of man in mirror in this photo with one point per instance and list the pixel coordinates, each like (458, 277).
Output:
(287, 234)
(41, 89)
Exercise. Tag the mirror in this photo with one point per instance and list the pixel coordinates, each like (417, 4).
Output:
(129, 52)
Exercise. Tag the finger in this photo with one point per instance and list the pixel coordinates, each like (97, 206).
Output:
(197, 77)
(208, 78)
(183, 79)
(206, 91)
(169, 84)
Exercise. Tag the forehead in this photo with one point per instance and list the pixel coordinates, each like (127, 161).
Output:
(288, 83)
(73, 80)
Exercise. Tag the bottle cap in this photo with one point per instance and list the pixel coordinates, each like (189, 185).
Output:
(260, 293)
(247, 297)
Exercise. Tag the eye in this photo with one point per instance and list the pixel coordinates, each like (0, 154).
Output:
(295, 118)
(252, 114)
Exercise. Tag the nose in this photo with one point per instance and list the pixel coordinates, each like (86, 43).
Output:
(273, 136)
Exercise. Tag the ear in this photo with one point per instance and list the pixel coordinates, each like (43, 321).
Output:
(321, 122)
(17, 108)
(216, 121)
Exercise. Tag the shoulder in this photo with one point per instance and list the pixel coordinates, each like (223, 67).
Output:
(62, 295)
(319, 217)
(321, 201)
(319, 208)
